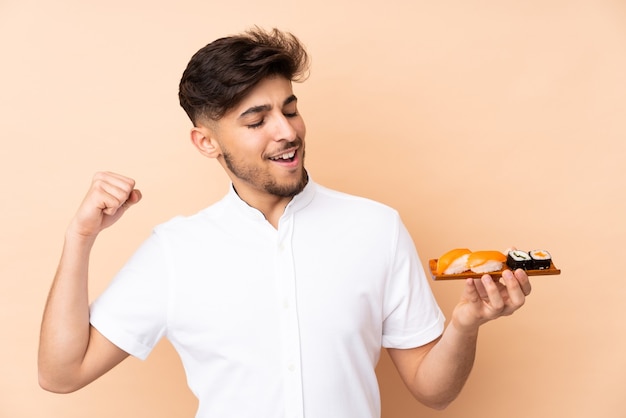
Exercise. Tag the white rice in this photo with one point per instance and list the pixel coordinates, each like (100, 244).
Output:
(488, 267)
(458, 266)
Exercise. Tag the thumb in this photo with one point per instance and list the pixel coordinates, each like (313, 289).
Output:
(133, 198)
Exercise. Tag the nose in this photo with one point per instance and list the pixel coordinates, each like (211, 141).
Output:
(285, 130)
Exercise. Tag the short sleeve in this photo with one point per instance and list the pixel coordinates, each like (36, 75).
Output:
(132, 311)
(412, 315)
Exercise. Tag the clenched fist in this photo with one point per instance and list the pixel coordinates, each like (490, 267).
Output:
(106, 201)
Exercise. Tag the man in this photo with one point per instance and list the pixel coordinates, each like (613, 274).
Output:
(279, 297)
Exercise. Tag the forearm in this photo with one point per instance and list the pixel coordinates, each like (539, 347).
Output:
(446, 367)
(65, 325)
(436, 372)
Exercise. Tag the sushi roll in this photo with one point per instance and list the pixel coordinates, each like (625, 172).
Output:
(453, 262)
(517, 259)
(486, 261)
(541, 259)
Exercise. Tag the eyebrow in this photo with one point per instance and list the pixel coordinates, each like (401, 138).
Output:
(266, 107)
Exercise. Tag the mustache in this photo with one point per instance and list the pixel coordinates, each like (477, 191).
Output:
(297, 143)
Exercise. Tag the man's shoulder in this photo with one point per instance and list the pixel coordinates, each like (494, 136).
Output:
(192, 221)
(349, 199)
(347, 208)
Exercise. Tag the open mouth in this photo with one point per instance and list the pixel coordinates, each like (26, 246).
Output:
(286, 157)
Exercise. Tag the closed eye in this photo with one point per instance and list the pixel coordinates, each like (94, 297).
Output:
(262, 121)
(289, 102)
(256, 125)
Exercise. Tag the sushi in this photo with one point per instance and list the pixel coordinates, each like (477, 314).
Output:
(462, 263)
(517, 259)
(486, 261)
(541, 259)
(453, 262)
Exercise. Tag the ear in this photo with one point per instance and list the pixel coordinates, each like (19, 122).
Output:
(204, 140)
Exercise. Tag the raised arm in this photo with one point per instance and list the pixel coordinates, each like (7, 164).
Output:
(71, 352)
(436, 373)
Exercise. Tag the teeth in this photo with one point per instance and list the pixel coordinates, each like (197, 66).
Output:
(285, 156)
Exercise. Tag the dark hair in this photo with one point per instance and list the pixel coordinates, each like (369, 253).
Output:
(222, 73)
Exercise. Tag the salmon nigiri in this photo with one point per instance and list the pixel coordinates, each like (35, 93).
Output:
(453, 262)
(486, 261)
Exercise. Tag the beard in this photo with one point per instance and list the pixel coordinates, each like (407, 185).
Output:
(259, 178)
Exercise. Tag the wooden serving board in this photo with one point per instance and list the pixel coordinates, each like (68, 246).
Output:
(432, 264)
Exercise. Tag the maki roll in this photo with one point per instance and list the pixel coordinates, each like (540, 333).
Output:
(541, 259)
(517, 259)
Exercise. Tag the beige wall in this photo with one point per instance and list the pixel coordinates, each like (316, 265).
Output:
(486, 123)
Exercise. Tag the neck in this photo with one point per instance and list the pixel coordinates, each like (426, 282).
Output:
(271, 206)
(270, 202)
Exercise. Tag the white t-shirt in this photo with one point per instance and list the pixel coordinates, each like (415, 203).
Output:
(285, 322)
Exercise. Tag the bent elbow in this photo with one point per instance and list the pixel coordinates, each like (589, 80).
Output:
(54, 385)
(437, 403)
(439, 406)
